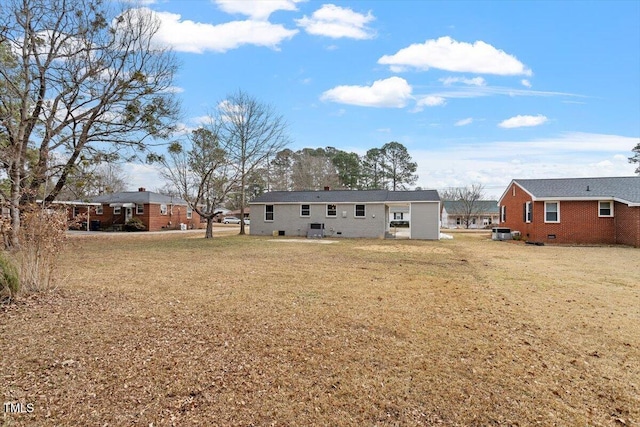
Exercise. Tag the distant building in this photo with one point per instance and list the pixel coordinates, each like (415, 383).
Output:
(156, 211)
(484, 214)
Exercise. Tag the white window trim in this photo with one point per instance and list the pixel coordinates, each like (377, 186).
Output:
(100, 210)
(189, 212)
(163, 207)
(117, 210)
(355, 210)
(309, 209)
(139, 209)
(529, 212)
(610, 208)
(545, 212)
(326, 211)
(503, 213)
(273, 213)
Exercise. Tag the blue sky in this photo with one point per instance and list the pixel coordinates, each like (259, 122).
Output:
(479, 92)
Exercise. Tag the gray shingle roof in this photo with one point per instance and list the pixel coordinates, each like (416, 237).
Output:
(347, 196)
(625, 188)
(481, 206)
(138, 197)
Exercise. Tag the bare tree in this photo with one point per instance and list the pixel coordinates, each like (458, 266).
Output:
(84, 81)
(253, 132)
(468, 202)
(89, 179)
(313, 170)
(201, 173)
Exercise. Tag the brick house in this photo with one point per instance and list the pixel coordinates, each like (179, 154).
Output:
(574, 210)
(156, 211)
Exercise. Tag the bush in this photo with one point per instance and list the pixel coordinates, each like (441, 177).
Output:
(9, 279)
(134, 224)
(42, 238)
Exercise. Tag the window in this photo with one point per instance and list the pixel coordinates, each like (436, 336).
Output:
(305, 210)
(117, 210)
(527, 212)
(268, 212)
(332, 210)
(99, 210)
(189, 212)
(503, 213)
(398, 215)
(360, 211)
(551, 211)
(605, 209)
(163, 209)
(139, 209)
(458, 221)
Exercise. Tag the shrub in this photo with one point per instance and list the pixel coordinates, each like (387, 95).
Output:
(42, 238)
(9, 280)
(134, 224)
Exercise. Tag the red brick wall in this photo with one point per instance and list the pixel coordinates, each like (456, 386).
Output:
(627, 224)
(151, 217)
(514, 199)
(579, 221)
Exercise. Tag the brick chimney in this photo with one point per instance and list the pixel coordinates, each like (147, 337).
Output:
(141, 189)
(327, 188)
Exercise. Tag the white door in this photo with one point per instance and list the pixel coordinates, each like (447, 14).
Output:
(128, 214)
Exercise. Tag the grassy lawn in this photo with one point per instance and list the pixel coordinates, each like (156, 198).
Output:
(177, 330)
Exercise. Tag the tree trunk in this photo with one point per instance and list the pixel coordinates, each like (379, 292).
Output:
(209, 233)
(242, 199)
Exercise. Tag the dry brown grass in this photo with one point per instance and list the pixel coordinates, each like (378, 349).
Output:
(172, 330)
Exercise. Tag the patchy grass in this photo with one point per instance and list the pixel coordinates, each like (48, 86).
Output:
(172, 330)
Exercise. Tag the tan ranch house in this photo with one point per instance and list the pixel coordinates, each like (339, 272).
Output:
(344, 213)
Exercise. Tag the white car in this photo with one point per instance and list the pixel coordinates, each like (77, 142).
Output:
(234, 220)
(231, 220)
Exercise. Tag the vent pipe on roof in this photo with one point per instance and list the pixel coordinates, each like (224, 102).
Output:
(588, 188)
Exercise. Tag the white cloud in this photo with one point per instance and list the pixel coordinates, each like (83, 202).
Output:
(337, 22)
(197, 37)
(392, 92)
(525, 83)
(143, 175)
(450, 55)
(464, 122)
(429, 101)
(523, 121)
(476, 81)
(495, 163)
(260, 10)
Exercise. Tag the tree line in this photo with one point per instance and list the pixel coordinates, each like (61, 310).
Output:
(389, 167)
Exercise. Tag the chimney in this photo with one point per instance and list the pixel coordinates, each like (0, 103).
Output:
(327, 188)
(142, 189)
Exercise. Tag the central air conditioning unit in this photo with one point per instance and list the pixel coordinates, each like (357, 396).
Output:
(315, 231)
(501, 234)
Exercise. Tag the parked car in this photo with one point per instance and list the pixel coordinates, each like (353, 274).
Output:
(231, 220)
(234, 220)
